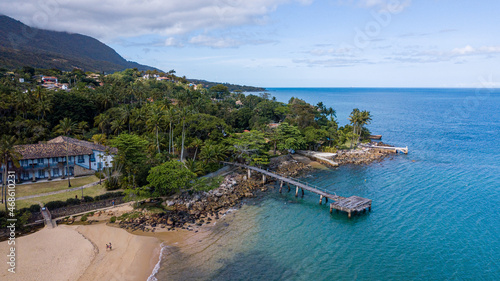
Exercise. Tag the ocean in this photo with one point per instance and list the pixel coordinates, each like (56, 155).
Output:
(435, 212)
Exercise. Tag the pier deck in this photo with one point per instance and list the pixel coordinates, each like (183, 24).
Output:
(350, 205)
(391, 148)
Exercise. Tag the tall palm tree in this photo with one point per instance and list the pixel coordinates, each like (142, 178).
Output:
(138, 118)
(102, 122)
(354, 119)
(23, 100)
(7, 154)
(43, 106)
(196, 143)
(126, 112)
(66, 126)
(171, 115)
(117, 126)
(154, 122)
(184, 113)
(81, 128)
(364, 119)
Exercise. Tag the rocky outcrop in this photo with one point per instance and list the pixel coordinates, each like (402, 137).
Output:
(190, 210)
(287, 166)
(361, 156)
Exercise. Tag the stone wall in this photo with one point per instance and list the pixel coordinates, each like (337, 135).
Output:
(80, 171)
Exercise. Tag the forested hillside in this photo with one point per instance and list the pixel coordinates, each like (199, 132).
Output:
(21, 45)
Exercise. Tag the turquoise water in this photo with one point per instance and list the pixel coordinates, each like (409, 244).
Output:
(435, 212)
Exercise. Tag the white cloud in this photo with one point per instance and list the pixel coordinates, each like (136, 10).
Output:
(109, 19)
(344, 51)
(393, 6)
(215, 42)
(463, 51)
(456, 55)
(332, 62)
(173, 42)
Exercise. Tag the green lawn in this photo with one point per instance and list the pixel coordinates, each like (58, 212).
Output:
(44, 187)
(91, 191)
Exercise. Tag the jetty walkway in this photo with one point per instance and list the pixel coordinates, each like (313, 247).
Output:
(390, 148)
(353, 204)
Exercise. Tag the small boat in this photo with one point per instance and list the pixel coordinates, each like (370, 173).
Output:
(375, 137)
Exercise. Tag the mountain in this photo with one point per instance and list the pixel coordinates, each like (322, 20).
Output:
(21, 45)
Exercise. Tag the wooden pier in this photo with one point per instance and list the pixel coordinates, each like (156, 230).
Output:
(350, 205)
(390, 148)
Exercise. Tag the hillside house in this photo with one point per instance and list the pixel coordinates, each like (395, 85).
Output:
(46, 161)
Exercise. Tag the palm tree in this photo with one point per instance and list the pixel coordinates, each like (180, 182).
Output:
(138, 118)
(213, 153)
(23, 100)
(196, 143)
(65, 127)
(7, 154)
(154, 121)
(184, 113)
(81, 128)
(354, 118)
(126, 112)
(364, 119)
(117, 126)
(171, 115)
(102, 122)
(43, 106)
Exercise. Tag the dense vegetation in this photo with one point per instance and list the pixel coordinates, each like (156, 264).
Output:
(230, 87)
(167, 132)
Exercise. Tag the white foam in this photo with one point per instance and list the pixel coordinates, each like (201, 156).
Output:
(157, 266)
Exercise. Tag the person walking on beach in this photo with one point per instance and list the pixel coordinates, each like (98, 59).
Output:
(110, 246)
(113, 203)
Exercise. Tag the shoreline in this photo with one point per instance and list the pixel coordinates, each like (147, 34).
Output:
(149, 241)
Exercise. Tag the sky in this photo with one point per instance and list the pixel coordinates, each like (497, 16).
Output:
(291, 43)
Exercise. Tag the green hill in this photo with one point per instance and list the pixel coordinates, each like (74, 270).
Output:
(21, 45)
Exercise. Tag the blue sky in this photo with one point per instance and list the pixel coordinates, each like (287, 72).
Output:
(292, 43)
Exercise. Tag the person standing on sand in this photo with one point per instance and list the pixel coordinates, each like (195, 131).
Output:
(110, 246)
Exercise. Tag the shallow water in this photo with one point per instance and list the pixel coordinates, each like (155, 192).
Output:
(435, 212)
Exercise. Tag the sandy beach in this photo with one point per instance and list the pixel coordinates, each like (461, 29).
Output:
(79, 253)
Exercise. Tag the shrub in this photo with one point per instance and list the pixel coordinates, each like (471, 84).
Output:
(109, 195)
(34, 208)
(88, 199)
(55, 205)
(100, 175)
(112, 183)
(112, 219)
(84, 218)
(72, 201)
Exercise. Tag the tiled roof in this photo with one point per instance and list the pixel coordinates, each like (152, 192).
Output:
(91, 145)
(57, 148)
(47, 150)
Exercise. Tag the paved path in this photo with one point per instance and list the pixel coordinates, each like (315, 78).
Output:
(59, 191)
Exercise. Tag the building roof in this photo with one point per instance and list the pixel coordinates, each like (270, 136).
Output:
(48, 150)
(87, 144)
(57, 148)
